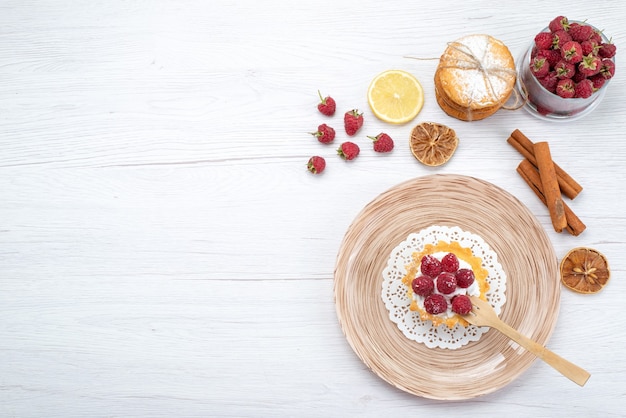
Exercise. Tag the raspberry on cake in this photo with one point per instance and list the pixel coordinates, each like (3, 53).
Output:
(464, 278)
(461, 304)
(450, 263)
(440, 280)
(430, 266)
(435, 304)
(446, 283)
(423, 285)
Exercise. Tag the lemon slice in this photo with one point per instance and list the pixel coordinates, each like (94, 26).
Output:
(395, 96)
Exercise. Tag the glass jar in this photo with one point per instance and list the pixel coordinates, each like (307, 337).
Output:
(547, 105)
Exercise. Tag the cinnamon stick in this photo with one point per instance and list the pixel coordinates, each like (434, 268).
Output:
(568, 186)
(529, 173)
(550, 185)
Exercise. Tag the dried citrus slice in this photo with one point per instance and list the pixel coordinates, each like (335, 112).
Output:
(432, 143)
(585, 270)
(395, 96)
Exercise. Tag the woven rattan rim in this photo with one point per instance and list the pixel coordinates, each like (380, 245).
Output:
(474, 205)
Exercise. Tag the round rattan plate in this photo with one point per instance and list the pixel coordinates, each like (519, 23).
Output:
(507, 226)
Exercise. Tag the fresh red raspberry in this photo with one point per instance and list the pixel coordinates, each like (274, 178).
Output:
(540, 67)
(549, 81)
(446, 283)
(598, 81)
(607, 50)
(543, 40)
(590, 65)
(596, 37)
(430, 266)
(571, 51)
(327, 105)
(559, 38)
(564, 69)
(435, 304)
(607, 69)
(348, 150)
(578, 77)
(580, 32)
(552, 55)
(565, 88)
(325, 134)
(450, 263)
(590, 47)
(382, 142)
(316, 164)
(461, 304)
(352, 121)
(464, 278)
(583, 89)
(423, 285)
(559, 23)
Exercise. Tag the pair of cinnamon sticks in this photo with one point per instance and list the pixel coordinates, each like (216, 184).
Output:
(548, 181)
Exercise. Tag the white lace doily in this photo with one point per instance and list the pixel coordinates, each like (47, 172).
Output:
(395, 292)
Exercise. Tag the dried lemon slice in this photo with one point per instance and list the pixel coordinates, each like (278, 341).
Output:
(432, 143)
(585, 270)
(395, 96)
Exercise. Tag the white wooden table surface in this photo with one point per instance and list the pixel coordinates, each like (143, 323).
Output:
(163, 251)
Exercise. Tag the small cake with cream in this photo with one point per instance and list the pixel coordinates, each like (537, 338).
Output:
(441, 278)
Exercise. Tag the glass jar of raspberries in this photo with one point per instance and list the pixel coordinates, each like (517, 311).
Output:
(565, 72)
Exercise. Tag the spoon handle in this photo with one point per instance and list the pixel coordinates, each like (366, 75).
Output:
(567, 369)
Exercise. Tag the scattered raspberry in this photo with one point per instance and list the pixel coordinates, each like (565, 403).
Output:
(540, 67)
(464, 278)
(558, 23)
(446, 283)
(382, 142)
(580, 33)
(327, 105)
(348, 150)
(352, 120)
(316, 165)
(565, 88)
(435, 304)
(461, 304)
(325, 134)
(543, 40)
(430, 266)
(607, 50)
(571, 51)
(590, 65)
(450, 263)
(423, 285)
(583, 89)
(564, 69)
